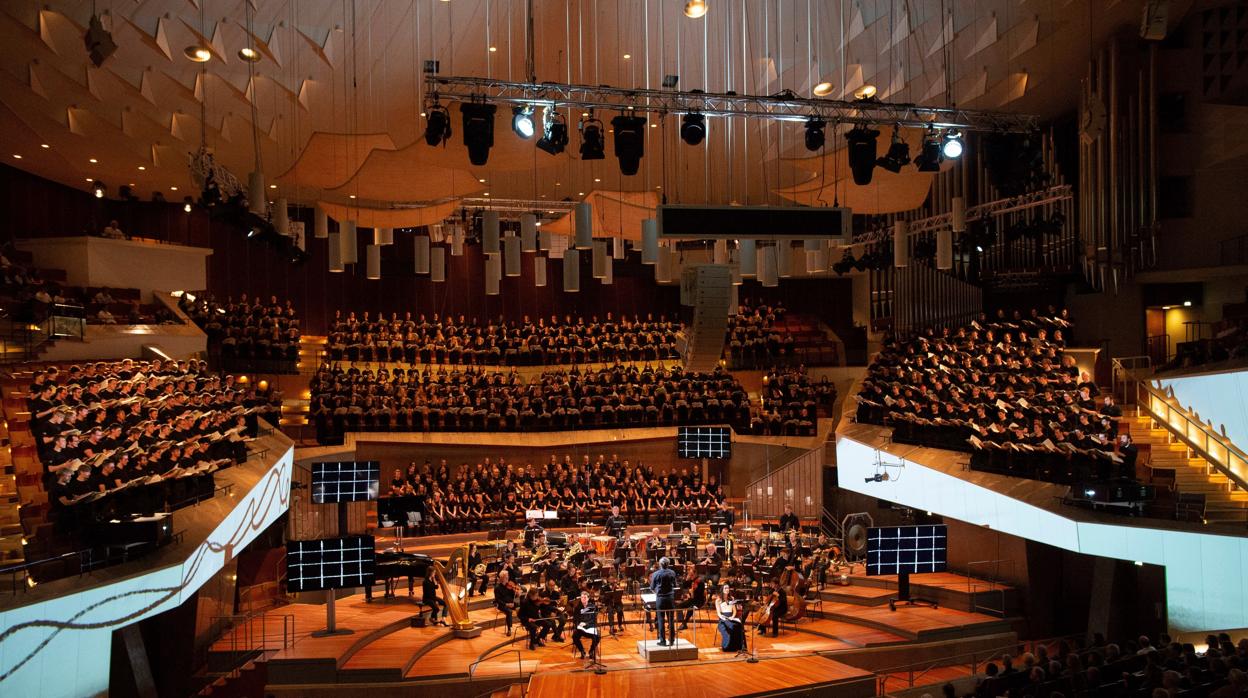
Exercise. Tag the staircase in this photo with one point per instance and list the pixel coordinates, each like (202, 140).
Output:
(1224, 503)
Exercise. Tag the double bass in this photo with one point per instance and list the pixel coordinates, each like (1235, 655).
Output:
(797, 586)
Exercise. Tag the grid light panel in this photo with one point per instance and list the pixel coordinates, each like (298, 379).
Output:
(909, 549)
(346, 481)
(704, 442)
(330, 563)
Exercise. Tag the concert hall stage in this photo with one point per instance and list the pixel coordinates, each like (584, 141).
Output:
(834, 652)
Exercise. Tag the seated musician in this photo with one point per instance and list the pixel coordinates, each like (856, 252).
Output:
(713, 559)
(477, 582)
(616, 523)
(655, 544)
(694, 596)
(505, 597)
(532, 531)
(429, 590)
(537, 625)
(724, 517)
(731, 627)
(789, 520)
(585, 617)
(778, 607)
(591, 565)
(549, 598)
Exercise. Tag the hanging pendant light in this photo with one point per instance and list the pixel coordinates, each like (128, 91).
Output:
(768, 272)
(617, 248)
(608, 273)
(281, 217)
(543, 239)
(457, 241)
(437, 264)
(421, 256)
(257, 201)
(571, 271)
(719, 252)
(372, 259)
(649, 241)
(747, 251)
(663, 265)
(944, 248)
(784, 258)
(320, 223)
(957, 215)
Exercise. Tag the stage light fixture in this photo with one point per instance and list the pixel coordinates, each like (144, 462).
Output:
(929, 157)
(814, 134)
(437, 125)
(554, 132)
(98, 188)
(522, 121)
(99, 41)
(478, 125)
(630, 141)
(952, 147)
(592, 142)
(861, 144)
(823, 89)
(898, 154)
(187, 203)
(865, 92)
(695, 9)
(199, 54)
(249, 54)
(693, 128)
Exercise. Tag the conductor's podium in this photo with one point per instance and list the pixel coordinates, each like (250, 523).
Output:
(654, 652)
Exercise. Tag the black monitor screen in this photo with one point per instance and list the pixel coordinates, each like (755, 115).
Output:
(347, 481)
(704, 442)
(331, 563)
(910, 549)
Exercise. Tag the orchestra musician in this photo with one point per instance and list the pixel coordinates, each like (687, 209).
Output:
(724, 518)
(591, 565)
(731, 614)
(656, 545)
(585, 615)
(429, 591)
(788, 520)
(712, 559)
(537, 625)
(693, 596)
(777, 607)
(616, 524)
(505, 597)
(476, 581)
(532, 532)
(550, 603)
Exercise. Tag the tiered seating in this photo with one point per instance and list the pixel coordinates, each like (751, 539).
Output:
(472, 497)
(29, 295)
(439, 340)
(1228, 343)
(473, 399)
(754, 339)
(792, 403)
(247, 335)
(134, 436)
(1001, 389)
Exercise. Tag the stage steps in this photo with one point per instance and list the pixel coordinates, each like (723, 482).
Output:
(1192, 474)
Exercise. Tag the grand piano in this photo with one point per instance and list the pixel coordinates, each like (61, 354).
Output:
(395, 564)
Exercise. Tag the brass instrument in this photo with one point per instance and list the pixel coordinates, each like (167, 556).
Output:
(572, 551)
(539, 553)
(479, 570)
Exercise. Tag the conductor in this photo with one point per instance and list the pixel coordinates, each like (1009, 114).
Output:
(663, 584)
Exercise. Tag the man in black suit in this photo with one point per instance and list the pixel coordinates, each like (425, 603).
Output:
(505, 598)
(663, 584)
(788, 520)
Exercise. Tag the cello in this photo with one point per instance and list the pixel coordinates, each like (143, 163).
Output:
(797, 586)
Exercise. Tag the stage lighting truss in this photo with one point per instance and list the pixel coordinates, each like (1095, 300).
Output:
(1043, 199)
(785, 106)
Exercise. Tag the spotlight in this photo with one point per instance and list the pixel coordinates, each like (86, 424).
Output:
(199, 54)
(98, 188)
(898, 154)
(814, 134)
(865, 92)
(929, 156)
(695, 8)
(99, 42)
(823, 89)
(187, 203)
(249, 54)
(554, 132)
(861, 143)
(437, 125)
(478, 127)
(630, 142)
(522, 121)
(592, 146)
(693, 128)
(952, 147)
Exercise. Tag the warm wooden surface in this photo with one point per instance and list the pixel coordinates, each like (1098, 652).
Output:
(706, 680)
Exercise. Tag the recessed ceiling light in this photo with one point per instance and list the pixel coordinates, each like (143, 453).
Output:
(272, 186)
(44, 145)
(486, 194)
(628, 56)
(481, 180)
(249, 54)
(695, 9)
(597, 179)
(493, 49)
(352, 196)
(822, 89)
(92, 160)
(658, 186)
(173, 188)
(654, 124)
(90, 180)
(19, 157)
(142, 167)
(558, 184)
(865, 92)
(199, 54)
(580, 193)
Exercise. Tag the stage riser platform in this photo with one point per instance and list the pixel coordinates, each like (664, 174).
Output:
(989, 600)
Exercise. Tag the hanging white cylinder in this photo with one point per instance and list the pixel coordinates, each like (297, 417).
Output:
(812, 245)
(737, 279)
(383, 236)
(528, 232)
(600, 258)
(901, 244)
(944, 248)
(584, 218)
(335, 252)
(760, 262)
(539, 270)
(734, 300)
(281, 217)
(489, 232)
(350, 246)
(768, 273)
(543, 240)
(421, 256)
(493, 273)
(816, 261)
(649, 241)
(749, 259)
(320, 223)
(457, 241)
(511, 255)
(784, 258)
(372, 259)
(617, 248)
(957, 215)
(719, 252)
(256, 202)
(571, 271)
(437, 233)
(437, 264)
(663, 265)
(608, 275)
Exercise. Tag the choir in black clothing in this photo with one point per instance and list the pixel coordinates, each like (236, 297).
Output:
(246, 329)
(1002, 389)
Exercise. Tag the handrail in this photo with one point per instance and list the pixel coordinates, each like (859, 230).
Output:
(928, 665)
(776, 472)
(993, 583)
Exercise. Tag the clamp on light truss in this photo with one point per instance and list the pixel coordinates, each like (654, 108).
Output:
(785, 106)
(1023, 202)
(540, 207)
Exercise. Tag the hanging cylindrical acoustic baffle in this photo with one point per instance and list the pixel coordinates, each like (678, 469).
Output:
(422, 254)
(320, 223)
(372, 261)
(571, 271)
(816, 261)
(437, 233)
(335, 252)
(281, 218)
(350, 247)
(600, 258)
(649, 241)
(734, 300)
(437, 264)
(812, 244)
(768, 273)
(543, 240)
(528, 232)
(493, 273)
(539, 270)
(457, 241)
(901, 243)
(584, 218)
(749, 259)
(256, 201)
(617, 248)
(489, 232)
(663, 265)
(737, 279)
(511, 255)
(383, 236)
(719, 252)
(957, 216)
(784, 258)
(944, 248)
(608, 276)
